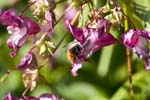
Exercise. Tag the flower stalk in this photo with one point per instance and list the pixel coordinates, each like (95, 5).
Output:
(128, 54)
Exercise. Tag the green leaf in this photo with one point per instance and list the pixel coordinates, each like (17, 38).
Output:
(106, 57)
(105, 60)
(82, 91)
(141, 88)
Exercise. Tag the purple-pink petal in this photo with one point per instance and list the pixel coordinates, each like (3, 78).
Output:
(28, 61)
(75, 68)
(105, 40)
(77, 33)
(130, 38)
(32, 27)
(103, 26)
(14, 47)
(145, 34)
(17, 38)
(7, 17)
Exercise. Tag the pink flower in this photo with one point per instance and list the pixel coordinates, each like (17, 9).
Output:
(136, 41)
(19, 27)
(89, 40)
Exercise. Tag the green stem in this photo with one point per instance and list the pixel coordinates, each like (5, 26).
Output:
(46, 82)
(129, 59)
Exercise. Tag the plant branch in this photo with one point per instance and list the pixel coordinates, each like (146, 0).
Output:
(130, 73)
(61, 1)
(46, 82)
(29, 5)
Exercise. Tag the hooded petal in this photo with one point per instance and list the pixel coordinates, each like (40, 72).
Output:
(77, 33)
(130, 38)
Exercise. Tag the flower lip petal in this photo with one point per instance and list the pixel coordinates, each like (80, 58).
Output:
(105, 40)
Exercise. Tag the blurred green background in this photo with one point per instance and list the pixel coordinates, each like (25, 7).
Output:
(104, 77)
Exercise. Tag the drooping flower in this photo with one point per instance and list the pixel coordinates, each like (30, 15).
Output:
(137, 41)
(90, 39)
(19, 27)
(42, 97)
(30, 72)
(28, 62)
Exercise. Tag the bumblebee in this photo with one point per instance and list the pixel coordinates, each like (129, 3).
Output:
(73, 51)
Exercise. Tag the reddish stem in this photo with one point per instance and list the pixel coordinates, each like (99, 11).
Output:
(130, 73)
